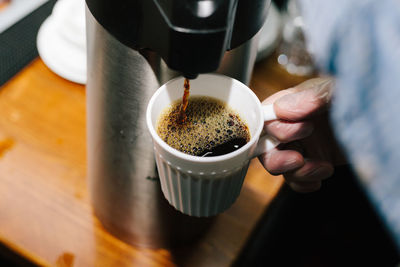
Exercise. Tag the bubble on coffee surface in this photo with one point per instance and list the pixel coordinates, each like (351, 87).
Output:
(209, 124)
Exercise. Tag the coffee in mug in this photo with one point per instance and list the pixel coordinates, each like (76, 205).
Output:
(211, 128)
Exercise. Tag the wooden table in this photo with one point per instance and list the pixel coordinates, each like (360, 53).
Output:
(45, 213)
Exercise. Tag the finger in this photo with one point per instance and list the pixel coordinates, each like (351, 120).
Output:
(311, 171)
(305, 187)
(279, 162)
(287, 131)
(304, 100)
(274, 97)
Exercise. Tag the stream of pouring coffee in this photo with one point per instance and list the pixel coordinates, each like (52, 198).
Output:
(185, 101)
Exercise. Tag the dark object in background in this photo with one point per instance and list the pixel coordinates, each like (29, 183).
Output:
(281, 4)
(335, 226)
(18, 43)
(210, 28)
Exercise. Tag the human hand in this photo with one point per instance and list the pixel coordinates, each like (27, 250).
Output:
(308, 149)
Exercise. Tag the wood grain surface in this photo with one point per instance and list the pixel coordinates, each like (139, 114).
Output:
(45, 213)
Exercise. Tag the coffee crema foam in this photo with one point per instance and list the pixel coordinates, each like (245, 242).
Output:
(210, 123)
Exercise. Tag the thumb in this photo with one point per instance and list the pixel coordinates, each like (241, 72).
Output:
(304, 100)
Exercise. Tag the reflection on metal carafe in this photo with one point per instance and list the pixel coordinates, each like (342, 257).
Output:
(123, 183)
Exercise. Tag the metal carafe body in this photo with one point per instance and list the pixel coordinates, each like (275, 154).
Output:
(124, 188)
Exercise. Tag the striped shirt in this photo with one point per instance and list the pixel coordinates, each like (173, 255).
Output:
(358, 41)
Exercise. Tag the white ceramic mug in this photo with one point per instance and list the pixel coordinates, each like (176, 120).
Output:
(206, 186)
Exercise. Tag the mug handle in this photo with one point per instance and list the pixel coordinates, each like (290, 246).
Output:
(266, 142)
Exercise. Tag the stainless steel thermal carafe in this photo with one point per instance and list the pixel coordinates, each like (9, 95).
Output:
(124, 188)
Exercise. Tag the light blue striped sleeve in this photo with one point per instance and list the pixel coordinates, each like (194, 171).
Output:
(358, 41)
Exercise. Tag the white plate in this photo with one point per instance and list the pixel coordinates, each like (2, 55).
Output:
(62, 55)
